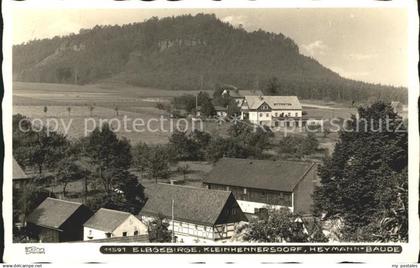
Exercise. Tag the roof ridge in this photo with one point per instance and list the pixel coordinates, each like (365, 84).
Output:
(63, 200)
(190, 187)
(114, 210)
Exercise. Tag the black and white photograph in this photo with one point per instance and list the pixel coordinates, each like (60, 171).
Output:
(221, 130)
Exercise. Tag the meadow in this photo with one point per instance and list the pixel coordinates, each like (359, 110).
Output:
(69, 105)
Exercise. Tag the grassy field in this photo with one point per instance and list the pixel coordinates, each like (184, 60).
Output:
(133, 103)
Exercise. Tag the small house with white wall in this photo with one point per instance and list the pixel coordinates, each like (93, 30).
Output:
(108, 223)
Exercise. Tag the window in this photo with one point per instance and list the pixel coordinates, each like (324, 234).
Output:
(136, 232)
(261, 115)
(244, 190)
(296, 114)
(277, 114)
(90, 236)
(124, 233)
(267, 115)
(289, 114)
(108, 235)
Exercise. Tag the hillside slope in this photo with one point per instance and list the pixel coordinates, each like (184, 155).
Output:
(187, 52)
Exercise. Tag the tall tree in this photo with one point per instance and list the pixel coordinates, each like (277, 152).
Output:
(69, 170)
(111, 155)
(356, 180)
(35, 146)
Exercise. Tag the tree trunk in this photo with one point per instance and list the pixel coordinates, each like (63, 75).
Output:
(64, 189)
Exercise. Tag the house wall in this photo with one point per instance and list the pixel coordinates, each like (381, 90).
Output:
(303, 192)
(46, 235)
(266, 117)
(187, 232)
(252, 195)
(73, 226)
(130, 225)
(251, 207)
(91, 233)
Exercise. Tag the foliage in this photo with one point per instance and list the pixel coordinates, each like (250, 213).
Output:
(219, 98)
(207, 107)
(25, 200)
(225, 147)
(280, 226)
(367, 185)
(110, 155)
(254, 138)
(233, 108)
(186, 101)
(37, 149)
(184, 146)
(153, 159)
(69, 170)
(298, 146)
(159, 230)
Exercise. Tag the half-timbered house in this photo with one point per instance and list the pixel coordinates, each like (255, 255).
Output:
(194, 214)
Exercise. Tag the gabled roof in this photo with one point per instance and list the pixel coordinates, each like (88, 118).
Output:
(18, 173)
(194, 205)
(52, 213)
(258, 174)
(275, 102)
(107, 220)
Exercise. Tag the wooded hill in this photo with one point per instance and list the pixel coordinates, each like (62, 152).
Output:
(188, 52)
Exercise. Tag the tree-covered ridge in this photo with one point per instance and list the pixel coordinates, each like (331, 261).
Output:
(188, 52)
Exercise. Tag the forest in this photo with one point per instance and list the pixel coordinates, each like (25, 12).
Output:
(189, 52)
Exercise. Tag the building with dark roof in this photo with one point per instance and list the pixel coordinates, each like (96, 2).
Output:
(220, 111)
(19, 176)
(56, 220)
(108, 223)
(199, 214)
(259, 184)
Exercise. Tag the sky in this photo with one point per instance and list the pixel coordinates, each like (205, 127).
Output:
(367, 44)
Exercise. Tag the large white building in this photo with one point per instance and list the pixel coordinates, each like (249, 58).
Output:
(272, 111)
(108, 223)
